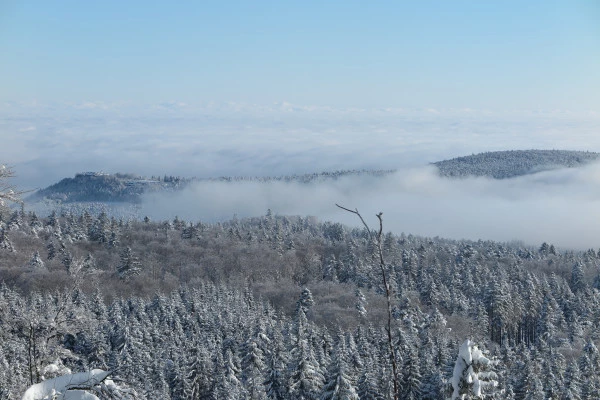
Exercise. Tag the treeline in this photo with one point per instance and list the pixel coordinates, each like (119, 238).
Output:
(304, 178)
(233, 291)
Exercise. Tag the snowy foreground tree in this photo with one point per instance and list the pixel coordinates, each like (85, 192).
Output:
(8, 194)
(473, 376)
(90, 385)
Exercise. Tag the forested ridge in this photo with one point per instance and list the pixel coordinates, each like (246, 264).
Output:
(513, 163)
(288, 307)
(127, 187)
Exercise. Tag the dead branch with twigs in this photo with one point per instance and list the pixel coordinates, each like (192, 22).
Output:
(388, 294)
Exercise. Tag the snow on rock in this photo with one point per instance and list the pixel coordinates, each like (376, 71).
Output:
(67, 387)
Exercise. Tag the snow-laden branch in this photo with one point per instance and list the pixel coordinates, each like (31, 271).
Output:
(79, 386)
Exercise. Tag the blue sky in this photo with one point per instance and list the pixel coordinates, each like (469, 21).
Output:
(500, 55)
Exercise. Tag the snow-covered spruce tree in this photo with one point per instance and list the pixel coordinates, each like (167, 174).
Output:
(173, 377)
(99, 230)
(51, 248)
(589, 366)
(5, 242)
(572, 384)
(367, 386)
(198, 375)
(305, 303)
(129, 265)
(361, 302)
(275, 385)
(4, 380)
(253, 367)
(228, 385)
(36, 263)
(473, 376)
(8, 193)
(411, 379)
(338, 385)
(306, 379)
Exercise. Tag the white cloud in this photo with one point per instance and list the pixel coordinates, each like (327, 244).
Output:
(90, 105)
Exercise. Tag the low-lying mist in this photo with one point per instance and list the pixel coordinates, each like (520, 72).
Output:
(561, 207)
(45, 145)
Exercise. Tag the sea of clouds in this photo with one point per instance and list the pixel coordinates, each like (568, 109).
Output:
(47, 143)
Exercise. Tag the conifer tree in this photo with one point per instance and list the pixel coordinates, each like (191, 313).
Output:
(36, 262)
(473, 375)
(198, 382)
(67, 261)
(228, 384)
(306, 379)
(129, 265)
(275, 385)
(338, 385)
(51, 250)
(572, 386)
(253, 366)
(578, 283)
(361, 302)
(411, 379)
(5, 242)
(367, 386)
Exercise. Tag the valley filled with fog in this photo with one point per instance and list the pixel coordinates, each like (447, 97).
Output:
(560, 206)
(214, 140)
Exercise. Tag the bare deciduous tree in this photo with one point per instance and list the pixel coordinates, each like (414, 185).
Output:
(377, 239)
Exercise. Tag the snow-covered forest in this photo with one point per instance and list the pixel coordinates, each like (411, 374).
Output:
(289, 307)
(509, 164)
(299, 200)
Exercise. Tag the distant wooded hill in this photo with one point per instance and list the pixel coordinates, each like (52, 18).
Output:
(98, 186)
(509, 164)
(102, 187)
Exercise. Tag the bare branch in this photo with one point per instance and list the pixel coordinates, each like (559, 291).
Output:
(388, 295)
(355, 211)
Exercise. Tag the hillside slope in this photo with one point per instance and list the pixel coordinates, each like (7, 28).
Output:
(128, 188)
(509, 164)
(97, 186)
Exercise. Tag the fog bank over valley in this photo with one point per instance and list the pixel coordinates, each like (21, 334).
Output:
(45, 144)
(560, 207)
